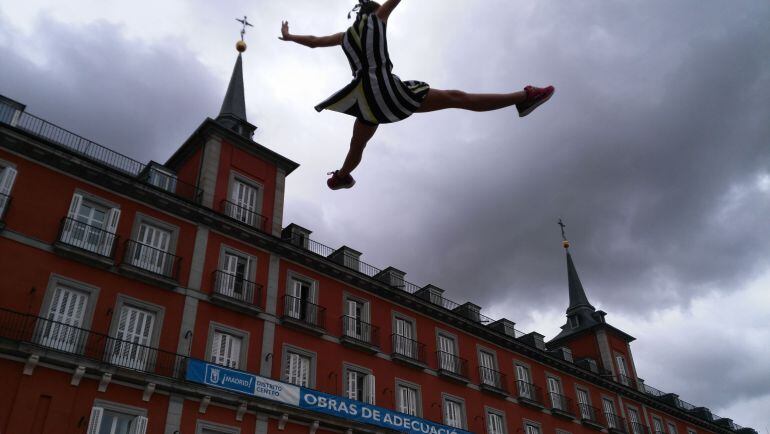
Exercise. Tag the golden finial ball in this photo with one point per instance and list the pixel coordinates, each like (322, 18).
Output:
(565, 244)
(240, 46)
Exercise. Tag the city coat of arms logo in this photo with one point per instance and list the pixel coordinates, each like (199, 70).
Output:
(214, 375)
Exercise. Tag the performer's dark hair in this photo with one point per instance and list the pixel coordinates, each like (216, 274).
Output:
(369, 7)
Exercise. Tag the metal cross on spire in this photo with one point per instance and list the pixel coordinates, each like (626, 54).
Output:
(245, 23)
(561, 223)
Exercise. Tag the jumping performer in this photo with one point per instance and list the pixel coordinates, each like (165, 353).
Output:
(377, 96)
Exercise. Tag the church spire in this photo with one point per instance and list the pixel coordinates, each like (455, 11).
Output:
(232, 115)
(578, 300)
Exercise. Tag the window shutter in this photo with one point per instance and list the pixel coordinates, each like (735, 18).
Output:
(216, 348)
(77, 200)
(140, 425)
(352, 385)
(113, 217)
(6, 180)
(371, 391)
(95, 422)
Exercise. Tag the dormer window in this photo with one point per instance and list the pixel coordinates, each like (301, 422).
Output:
(159, 176)
(574, 322)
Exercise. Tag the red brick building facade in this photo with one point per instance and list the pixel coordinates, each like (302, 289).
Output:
(114, 274)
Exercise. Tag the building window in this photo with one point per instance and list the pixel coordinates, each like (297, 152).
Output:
(298, 366)
(454, 412)
(488, 369)
(114, 421)
(671, 428)
(301, 294)
(151, 248)
(574, 321)
(161, 177)
(359, 384)
(609, 411)
(245, 203)
(584, 404)
(205, 427)
(226, 349)
(7, 178)
(62, 329)
(133, 337)
(357, 319)
(554, 393)
(90, 225)
(404, 343)
(235, 276)
(408, 398)
(657, 425)
(622, 371)
(524, 385)
(633, 417)
(447, 354)
(531, 427)
(495, 422)
(691, 431)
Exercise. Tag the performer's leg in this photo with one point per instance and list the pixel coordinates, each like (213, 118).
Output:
(362, 132)
(438, 99)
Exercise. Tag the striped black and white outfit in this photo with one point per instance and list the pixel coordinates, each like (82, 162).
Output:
(376, 95)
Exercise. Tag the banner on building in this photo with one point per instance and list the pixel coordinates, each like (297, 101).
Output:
(312, 400)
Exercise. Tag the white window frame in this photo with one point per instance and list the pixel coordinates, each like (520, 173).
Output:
(445, 399)
(228, 282)
(295, 305)
(8, 175)
(400, 405)
(403, 347)
(657, 422)
(448, 357)
(214, 328)
(671, 427)
(488, 375)
(634, 417)
(532, 427)
(138, 424)
(584, 414)
(489, 412)
(620, 362)
(520, 367)
(56, 281)
(369, 392)
(551, 379)
(105, 234)
(158, 312)
(364, 323)
(259, 199)
(611, 422)
(288, 350)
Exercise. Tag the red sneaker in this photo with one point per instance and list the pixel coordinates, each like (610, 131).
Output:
(535, 97)
(337, 182)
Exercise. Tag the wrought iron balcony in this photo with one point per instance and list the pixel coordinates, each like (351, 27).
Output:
(244, 215)
(83, 343)
(304, 313)
(407, 349)
(5, 204)
(92, 239)
(560, 404)
(237, 288)
(529, 393)
(626, 380)
(615, 422)
(591, 416)
(452, 365)
(639, 428)
(492, 380)
(154, 261)
(359, 331)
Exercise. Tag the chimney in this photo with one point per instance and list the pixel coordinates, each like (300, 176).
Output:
(391, 276)
(297, 235)
(504, 326)
(470, 311)
(534, 339)
(347, 257)
(432, 294)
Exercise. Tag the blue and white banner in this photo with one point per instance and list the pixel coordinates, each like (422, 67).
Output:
(261, 387)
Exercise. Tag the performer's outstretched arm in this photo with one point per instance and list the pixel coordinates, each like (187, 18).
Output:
(384, 11)
(309, 40)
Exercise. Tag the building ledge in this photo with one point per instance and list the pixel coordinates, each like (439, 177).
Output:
(82, 255)
(529, 402)
(564, 414)
(454, 376)
(289, 321)
(234, 303)
(494, 390)
(148, 276)
(414, 363)
(359, 345)
(618, 430)
(592, 424)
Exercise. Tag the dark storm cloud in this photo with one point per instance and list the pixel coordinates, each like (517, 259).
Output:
(651, 150)
(138, 99)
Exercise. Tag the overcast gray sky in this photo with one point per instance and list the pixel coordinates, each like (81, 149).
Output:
(655, 150)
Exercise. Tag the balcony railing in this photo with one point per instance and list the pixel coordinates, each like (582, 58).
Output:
(615, 422)
(355, 328)
(529, 391)
(590, 414)
(560, 402)
(237, 288)
(626, 380)
(638, 428)
(492, 378)
(409, 348)
(652, 391)
(451, 363)
(86, 237)
(5, 204)
(244, 215)
(304, 311)
(59, 136)
(152, 260)
(101, 348)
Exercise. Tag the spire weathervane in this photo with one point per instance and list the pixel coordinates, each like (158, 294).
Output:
(245, 23)
(564, 241)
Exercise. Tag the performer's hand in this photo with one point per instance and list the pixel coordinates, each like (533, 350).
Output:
(285, 35)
